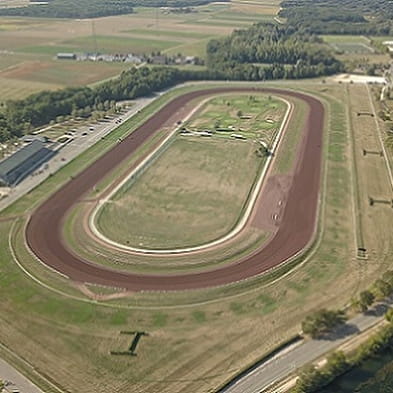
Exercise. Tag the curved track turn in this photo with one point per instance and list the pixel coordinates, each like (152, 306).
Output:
(44, 230)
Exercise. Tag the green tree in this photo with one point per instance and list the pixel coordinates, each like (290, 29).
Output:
(322, 321)
(310, 379)
(366, 299)
(382, 288)
(337, 364)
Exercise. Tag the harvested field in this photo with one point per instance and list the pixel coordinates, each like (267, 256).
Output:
(62, 73)
(17, 89)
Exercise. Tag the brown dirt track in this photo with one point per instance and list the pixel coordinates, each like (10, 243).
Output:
(44, 230)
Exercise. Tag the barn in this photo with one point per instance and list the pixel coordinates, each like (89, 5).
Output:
(18, 166)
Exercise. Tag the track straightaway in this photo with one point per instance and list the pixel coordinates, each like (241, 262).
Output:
(44, 229)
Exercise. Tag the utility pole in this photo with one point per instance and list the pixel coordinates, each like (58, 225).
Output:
(94, 36)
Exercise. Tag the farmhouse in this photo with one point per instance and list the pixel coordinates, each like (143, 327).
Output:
(15, 168)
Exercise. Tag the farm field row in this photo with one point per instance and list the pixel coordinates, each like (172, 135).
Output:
(198, 347)
(355, 50)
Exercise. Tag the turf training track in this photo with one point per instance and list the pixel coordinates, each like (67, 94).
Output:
(44, 230)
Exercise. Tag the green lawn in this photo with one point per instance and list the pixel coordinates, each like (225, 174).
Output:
(350, 39)
(254, 116)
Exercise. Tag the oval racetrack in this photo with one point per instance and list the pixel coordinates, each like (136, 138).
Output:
(44, 230)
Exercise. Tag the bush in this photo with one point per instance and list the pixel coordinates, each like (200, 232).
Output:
(389, 315)
(382, 288)
(366, 299)
(310, 379)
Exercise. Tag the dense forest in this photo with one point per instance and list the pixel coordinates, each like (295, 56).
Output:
(339, 16)
(93, 8)
(268, 51)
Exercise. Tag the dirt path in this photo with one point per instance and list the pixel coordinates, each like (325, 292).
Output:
(297, 225)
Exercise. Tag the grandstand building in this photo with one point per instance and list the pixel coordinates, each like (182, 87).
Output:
(22, 163)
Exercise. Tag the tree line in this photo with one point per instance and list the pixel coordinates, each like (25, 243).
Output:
(312, 379)
(318, 324)
(92, 8)
(22, 116)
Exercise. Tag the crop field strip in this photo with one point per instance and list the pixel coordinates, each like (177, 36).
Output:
(178, 336)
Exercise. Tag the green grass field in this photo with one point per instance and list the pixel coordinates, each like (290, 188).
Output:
(171, 204)
(253, 116)
(350, 44)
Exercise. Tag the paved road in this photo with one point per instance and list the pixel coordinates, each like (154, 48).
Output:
(284, 364)
(70, 151)
(17, 381)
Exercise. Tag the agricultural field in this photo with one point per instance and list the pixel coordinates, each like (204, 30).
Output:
(171, 203)
(29, 46)
(17, 88)
(349, 44)
(13, 3)
(197, 339)
(358, 52)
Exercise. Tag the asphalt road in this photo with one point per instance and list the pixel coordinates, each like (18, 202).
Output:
(282, 365)
(70, 151)
(15, 380)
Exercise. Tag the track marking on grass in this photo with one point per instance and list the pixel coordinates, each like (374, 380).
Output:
(257, 187)
(357, 219)
(385, 155)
